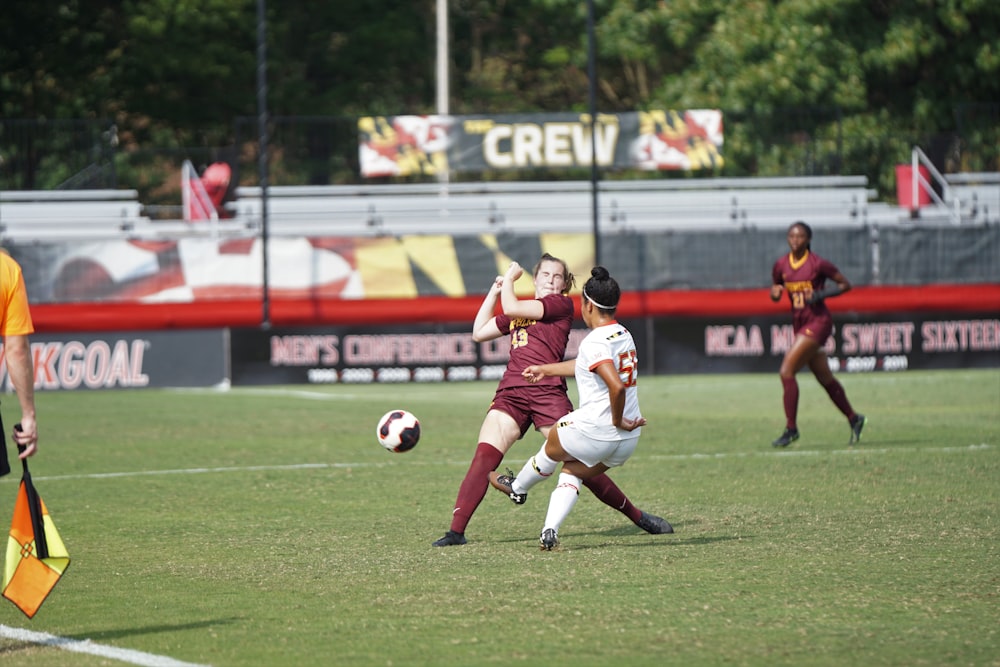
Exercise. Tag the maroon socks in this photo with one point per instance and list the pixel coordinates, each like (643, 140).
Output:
(474, 486)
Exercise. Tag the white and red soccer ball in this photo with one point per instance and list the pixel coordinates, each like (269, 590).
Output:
(398, 431)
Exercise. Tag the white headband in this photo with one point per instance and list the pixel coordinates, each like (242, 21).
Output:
(599, 305)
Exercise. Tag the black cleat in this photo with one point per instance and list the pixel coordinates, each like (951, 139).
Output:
(788, 437)
(857, 424)
(654, 525)
(548, 540)
(503, 483)
(450, 539)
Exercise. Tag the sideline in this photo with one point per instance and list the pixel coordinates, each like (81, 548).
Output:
(86, 646)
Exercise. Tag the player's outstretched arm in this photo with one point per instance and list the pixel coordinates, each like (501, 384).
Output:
(536, 372)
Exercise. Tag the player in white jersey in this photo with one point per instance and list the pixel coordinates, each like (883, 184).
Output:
(604, 431)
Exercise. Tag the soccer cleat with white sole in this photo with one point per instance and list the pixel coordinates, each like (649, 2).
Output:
(502, 483)
(548, 540)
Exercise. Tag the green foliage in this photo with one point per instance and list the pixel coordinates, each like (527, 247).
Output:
(54, 59)
(181, 76)
(204, 78)
(351, 58)
(265, 526)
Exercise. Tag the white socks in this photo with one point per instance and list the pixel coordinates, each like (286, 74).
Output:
(561, 501)
(540, 467)
(536, 469)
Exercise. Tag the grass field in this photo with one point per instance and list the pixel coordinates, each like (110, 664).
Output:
(266, 527)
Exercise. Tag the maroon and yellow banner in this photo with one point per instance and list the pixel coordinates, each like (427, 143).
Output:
(645, 140)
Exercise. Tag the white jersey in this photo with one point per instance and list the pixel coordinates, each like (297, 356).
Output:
(611, 342)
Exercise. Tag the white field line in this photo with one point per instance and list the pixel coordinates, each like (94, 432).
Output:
(400, 459)
(264, 391)
(387, 390)
(87, 646)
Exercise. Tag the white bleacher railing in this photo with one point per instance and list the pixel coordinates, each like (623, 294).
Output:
(918, 158)
(976, 195)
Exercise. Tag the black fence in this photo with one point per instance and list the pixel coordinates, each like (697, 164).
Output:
(742, 259)
(323, 150)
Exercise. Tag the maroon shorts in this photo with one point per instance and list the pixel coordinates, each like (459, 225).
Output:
(817, 328)
(540, 405)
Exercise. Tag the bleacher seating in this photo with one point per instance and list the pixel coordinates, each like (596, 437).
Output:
(476, 208)
(68, 214)
(977, 196)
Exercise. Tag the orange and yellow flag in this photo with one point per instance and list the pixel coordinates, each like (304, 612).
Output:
(36, 555)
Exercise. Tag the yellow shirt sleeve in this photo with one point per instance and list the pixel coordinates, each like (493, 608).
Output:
(15, 317)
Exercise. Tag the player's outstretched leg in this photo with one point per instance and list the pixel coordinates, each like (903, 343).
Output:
(605, 490)
(536, 469)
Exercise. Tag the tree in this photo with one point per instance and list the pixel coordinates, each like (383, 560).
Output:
(894, 70)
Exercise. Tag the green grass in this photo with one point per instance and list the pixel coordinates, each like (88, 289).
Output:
(266, 527)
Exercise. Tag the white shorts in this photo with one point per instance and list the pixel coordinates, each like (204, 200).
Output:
(590, 452)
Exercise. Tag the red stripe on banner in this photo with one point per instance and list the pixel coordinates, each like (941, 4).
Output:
(206, 314)
(922, 298)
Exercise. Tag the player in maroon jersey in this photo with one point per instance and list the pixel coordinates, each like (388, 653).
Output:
(803, 274)
(539, 332)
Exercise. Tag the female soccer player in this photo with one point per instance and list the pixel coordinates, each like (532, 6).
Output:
(604, 431)
(803, 274)
(538, 329)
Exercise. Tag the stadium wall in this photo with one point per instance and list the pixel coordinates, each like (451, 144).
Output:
(447, 353)
(390, 309)
(131, 316)
(81, 346)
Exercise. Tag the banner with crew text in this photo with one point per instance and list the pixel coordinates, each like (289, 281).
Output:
(655, 140)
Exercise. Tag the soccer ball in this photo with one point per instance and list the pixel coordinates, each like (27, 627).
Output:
(398, 431)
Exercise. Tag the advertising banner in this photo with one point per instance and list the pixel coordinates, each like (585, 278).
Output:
(331, 355)
(447, 353)
(875, 342)
(123, 360)
(646, 140)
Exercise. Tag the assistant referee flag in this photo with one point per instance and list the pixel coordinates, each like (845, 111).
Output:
(36, 555)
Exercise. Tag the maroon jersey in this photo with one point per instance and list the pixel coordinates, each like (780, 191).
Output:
(537, 341)
(799, 278)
